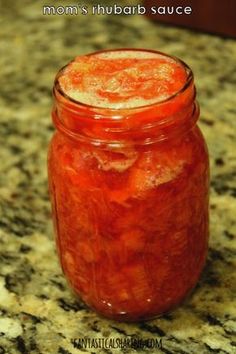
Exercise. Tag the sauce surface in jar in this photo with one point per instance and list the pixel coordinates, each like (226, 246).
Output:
(128, 177)
(121, 79)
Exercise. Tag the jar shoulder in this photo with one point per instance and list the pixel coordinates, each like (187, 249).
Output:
(142, 167)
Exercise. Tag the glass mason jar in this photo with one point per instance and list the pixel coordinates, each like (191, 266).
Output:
(129, 192)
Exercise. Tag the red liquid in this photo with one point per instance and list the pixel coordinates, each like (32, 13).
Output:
(109, 78)
(131, 222)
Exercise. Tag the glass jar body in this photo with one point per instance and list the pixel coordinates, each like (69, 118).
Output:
(131, 223)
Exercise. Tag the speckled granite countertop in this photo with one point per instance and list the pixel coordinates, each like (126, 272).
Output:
(38, 312)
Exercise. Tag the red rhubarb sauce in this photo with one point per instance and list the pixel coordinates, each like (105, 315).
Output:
(128, 178)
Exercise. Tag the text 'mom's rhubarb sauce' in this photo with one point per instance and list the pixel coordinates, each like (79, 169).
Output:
(129, 179)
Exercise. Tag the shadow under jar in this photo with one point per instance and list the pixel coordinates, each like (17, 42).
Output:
(129, 192)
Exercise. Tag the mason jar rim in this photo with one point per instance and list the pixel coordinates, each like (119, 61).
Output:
(189, 79)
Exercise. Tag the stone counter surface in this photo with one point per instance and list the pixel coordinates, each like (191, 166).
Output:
(38, 313)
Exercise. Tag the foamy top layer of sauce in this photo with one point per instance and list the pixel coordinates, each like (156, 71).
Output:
(122, 79)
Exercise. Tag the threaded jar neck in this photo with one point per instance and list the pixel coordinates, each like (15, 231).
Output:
(156, 122)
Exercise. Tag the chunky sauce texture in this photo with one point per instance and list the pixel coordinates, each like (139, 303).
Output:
(118, 80)
(131, 222)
